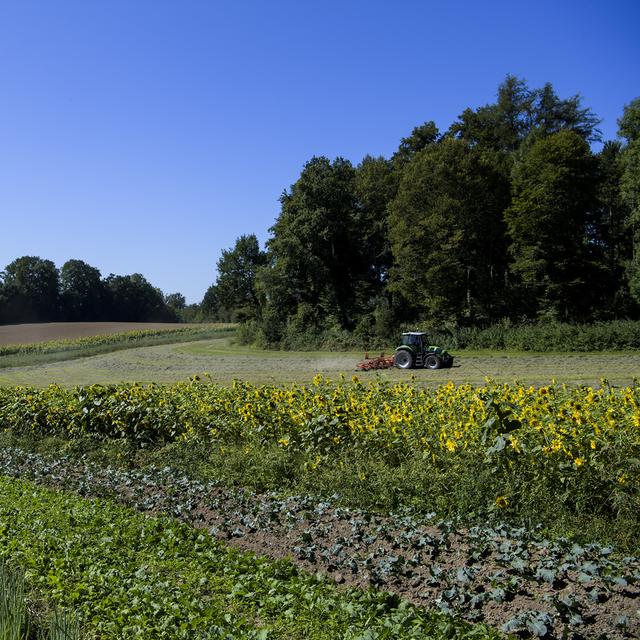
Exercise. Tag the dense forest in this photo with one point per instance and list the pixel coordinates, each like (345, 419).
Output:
(507, 216)
(34, 290)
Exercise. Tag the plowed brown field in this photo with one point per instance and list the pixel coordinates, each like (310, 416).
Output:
(29, 333)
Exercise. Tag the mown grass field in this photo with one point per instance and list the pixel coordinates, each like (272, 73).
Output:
(225, 361)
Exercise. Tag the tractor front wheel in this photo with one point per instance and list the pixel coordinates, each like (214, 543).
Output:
(403, 359)
(432, 362)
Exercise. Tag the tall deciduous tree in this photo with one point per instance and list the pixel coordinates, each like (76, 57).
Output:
(608, 236)
(31, 286)
(175, 301)
(447, 233)
(235, 286)
(210, 305)
(11, 306)
(629, 129)
(134, 299)
(82, 291)
(176, 305)
(314, 262)
(375, 186)
(421, 137)
(553, 192)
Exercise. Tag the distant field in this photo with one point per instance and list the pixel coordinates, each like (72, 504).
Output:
(225, 361)
(30, 333)
(100, 339)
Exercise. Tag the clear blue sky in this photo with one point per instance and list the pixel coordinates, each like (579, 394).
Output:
(146, 136)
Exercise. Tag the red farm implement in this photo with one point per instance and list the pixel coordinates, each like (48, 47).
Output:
(380, 362)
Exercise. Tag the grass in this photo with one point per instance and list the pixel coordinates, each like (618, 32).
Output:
(18, 621)
(226, 361)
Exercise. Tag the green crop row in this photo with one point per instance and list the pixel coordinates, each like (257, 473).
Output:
(126, 575)
(537, 454)
(124, 338)
(475, 573)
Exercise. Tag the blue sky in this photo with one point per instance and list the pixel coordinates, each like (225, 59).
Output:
(146, 136)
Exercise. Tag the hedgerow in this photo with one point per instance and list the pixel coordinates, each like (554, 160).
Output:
(540, 337)
(614, 335)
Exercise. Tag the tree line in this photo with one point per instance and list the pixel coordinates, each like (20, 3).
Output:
(507, 215)
(32, 289)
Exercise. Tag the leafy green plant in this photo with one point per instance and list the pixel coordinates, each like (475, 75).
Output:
(127, 575)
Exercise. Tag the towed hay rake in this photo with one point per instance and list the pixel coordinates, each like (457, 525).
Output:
(379, 362)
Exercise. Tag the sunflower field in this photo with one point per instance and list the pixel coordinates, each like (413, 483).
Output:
(504, 446)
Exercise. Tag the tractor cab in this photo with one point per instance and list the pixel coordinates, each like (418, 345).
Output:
(415, 351)
(415, 339)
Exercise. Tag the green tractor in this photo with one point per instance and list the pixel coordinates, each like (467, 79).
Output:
(415, 351)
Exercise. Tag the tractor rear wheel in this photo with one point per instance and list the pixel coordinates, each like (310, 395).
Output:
(432, 361)
(403, 359)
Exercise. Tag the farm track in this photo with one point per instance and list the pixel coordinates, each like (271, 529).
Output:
(225, 362)
(495, 575)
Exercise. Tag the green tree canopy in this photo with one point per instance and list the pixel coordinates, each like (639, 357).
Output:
(31, 289)
(175, 301)
(133, 299)
(553, 192)
(520, 112)
(447, 232)
(421, 137)
(82, 291)
(313, 253)
(235, 290)
(629, 123)
(375, 186)
(608, 236)
(210, 305)
(629, 129)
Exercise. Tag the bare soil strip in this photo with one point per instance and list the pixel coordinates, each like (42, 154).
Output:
(30, 333)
